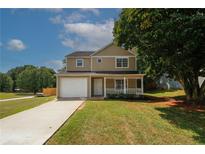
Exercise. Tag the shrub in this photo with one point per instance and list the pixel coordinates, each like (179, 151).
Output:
(121, 96)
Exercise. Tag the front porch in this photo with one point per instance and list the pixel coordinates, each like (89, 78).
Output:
(104, 86)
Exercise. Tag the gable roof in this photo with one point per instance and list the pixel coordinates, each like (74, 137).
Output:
(102, 48)
(80, 53)
(93, 53)
(111, 45)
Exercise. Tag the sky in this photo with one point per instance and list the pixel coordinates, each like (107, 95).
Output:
(42, 37)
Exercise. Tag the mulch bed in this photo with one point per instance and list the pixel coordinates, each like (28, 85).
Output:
(182, 103)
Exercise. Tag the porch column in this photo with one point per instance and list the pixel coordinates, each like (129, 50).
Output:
(142, 85)
(136, 87)
(105, 87)
(124, 85)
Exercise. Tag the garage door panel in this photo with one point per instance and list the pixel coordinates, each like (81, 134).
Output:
(73, 87)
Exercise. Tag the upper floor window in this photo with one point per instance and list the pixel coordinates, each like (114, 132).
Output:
(99, 60)
(79, 62)
(122, 62)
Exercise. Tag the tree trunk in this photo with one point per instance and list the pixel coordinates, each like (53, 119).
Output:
(192, 90)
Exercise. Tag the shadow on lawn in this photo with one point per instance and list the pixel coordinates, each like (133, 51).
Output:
(185, 119)
(182, 115)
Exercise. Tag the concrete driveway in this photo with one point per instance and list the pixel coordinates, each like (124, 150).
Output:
(36, 125)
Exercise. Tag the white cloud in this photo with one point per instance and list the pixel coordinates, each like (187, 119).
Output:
(88, 36)
(16, 45)
(69, 43)
(92, 10)
(55, 64)
(56, 19)
(73, 17)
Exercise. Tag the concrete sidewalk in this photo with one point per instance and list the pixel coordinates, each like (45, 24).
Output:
(36, 125)
(11, 99)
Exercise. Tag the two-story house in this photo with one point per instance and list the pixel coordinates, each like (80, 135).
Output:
(110, 70)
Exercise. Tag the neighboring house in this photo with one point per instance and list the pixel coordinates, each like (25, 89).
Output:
(167, 83)
(110, 70)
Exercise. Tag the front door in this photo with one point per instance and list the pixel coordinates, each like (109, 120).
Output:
(98, 87)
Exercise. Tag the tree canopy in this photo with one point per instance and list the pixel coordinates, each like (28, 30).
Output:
(14, 72)
(28, 80)
(5, 82)
(170, 41)
(33, 79)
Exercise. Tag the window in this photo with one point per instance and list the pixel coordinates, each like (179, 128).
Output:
(79, 63)
(99, 60)
(119, 84)
(122, 62)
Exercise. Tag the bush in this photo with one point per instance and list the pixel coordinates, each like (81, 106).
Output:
(149, 84)
(6, 83)
(122, 96)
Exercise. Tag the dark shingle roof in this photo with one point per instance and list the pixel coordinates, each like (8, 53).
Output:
(107, 72)
(81, 53)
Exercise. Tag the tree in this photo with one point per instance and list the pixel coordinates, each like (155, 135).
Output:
(33, 79)
(28, 80)
(14, 72)
(5, 82)
(46, 78)
(170, 41)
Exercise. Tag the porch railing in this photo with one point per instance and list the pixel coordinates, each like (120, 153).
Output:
(137, 91)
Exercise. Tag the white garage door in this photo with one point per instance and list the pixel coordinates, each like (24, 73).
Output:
(73, 87)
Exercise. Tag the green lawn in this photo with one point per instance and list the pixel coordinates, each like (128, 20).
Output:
(124, 122)
(11, 107)
(4, 95)
(166, 93)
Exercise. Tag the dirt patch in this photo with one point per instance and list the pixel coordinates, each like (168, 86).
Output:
(181, 103)
(173, 102)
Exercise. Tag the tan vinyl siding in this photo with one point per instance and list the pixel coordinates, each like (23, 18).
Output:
(108, 64)
(113, 50)
(110, 83)
(131, 83)
(71, 64)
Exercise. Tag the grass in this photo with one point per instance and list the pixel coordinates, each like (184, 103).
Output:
(132, 122)
(166, 93)
(11, 107)
(4, 95)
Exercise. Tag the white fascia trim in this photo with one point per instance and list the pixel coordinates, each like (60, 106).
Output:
(131, 52)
